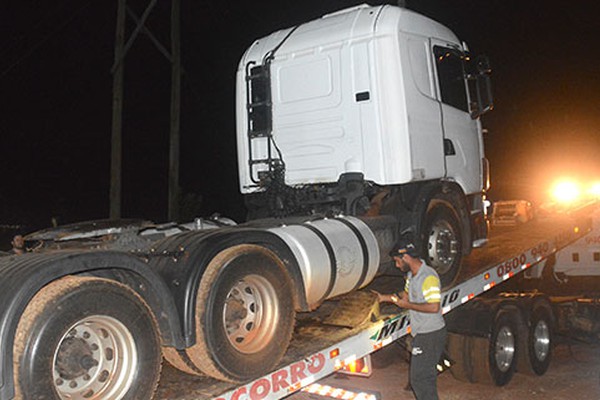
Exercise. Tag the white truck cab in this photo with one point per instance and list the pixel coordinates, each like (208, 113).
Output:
(380, 91)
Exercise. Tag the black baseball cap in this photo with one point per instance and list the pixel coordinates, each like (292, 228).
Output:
(404, 246)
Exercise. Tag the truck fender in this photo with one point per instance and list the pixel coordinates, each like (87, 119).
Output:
(477, 317)
(24, 275)
(451, 194)
(181, 261)
(472, 319)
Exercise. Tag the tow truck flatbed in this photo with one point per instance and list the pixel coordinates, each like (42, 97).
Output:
(320, 348)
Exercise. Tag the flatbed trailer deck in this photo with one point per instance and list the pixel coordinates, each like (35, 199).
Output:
(322, 344)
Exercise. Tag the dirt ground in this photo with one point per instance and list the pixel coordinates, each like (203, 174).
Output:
(573, 374)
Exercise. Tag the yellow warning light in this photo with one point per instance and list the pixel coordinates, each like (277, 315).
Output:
(576, 229)
(486, 276)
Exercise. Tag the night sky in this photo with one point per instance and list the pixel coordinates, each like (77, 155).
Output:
(56, 103)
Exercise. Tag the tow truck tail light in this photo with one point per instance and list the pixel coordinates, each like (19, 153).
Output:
(334, 353)
(357, 367)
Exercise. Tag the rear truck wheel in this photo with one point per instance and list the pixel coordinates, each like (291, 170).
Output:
(244, 314)
(537, 343)
(178, 359)
(442, 243)
(86, 338)
(459, 347)
(495, 359)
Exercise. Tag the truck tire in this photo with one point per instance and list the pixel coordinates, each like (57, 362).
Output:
(180, 361)
(459, 351)
(86, 338)
(244, 314)
(442, 243)
(495, 358)
(539, 341)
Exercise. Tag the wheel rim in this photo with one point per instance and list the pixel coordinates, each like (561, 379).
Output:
(442, 246)
(95, 359)
(504, 349)
(541, 340)
(250, 314)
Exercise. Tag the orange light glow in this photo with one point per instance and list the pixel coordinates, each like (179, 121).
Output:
(566, 191)
(594, 190)
(354, 366)
(334, 353)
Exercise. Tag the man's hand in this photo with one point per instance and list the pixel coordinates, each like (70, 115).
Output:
(387, 298)
(382, 298)
(402, 302)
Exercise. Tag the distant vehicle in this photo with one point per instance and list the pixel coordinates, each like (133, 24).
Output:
(511, 212)
(580, 259)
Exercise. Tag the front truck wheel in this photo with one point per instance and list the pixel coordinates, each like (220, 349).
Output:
(442, 242)
(244, 314)
(86, 338)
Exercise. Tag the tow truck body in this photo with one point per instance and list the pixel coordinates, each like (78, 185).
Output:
(324, 343)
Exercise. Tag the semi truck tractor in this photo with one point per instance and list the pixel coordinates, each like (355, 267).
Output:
(368, 111)
(352, 129)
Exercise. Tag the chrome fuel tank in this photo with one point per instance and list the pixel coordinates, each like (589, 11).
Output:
(335, 255)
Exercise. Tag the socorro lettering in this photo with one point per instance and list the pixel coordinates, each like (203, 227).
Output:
(282, 379)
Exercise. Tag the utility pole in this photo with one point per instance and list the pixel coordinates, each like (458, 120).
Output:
(121, 49)
(175, 111)
(117, 101)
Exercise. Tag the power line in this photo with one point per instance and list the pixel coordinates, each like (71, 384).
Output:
(40, 43)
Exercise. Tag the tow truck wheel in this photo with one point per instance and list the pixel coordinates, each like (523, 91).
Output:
(539, 341)
(459, 352)
(442, 243)
(244, 314)
(494, 359)
(86, 338)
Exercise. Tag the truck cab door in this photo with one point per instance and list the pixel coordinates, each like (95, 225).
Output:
(463, 142)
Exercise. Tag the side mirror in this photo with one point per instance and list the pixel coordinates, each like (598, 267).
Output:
(480, 87)
(483, 65)
(484, 92)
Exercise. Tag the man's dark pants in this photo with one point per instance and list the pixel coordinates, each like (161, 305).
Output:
(427, 349)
